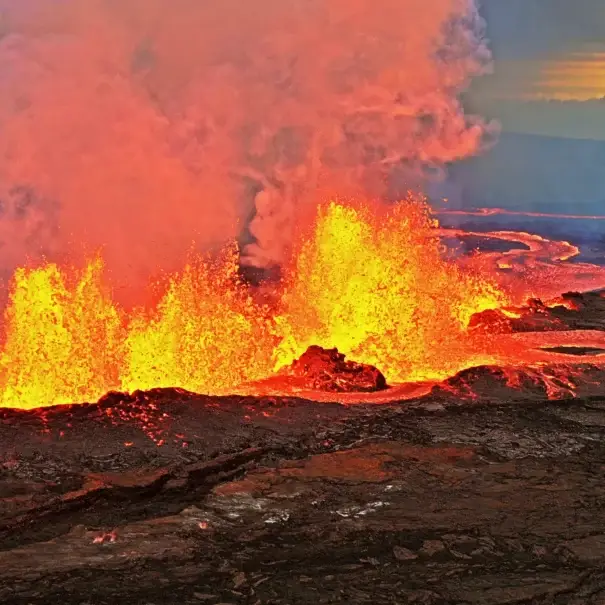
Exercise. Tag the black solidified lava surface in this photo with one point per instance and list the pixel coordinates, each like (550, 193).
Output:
(169, 497)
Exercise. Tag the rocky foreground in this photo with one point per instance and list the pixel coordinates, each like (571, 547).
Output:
(168, 497)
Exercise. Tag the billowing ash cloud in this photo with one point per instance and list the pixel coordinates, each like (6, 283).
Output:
(141, 126)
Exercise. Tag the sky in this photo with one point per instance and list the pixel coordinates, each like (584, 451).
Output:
(549, 71)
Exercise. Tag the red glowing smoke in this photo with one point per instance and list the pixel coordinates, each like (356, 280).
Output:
(142, 126)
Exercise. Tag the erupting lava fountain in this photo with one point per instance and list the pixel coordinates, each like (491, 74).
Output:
(137, 129)
(373, 282)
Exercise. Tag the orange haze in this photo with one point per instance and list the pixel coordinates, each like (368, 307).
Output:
(142, 126)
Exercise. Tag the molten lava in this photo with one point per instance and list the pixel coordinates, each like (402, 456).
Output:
(374, 284)
(63, 340)
(205, 335)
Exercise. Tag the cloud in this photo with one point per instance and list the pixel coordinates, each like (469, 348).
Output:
(137, 124)
(521, 29)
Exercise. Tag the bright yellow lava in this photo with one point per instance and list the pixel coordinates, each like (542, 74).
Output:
(372, 283)
(376, 286)
(63, 338)
(206, 335)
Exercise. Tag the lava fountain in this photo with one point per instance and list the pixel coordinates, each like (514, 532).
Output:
(376, 285)
(138, 128)
(372, 281)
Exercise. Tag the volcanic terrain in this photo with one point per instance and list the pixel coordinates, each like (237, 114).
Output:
(483, 488)
(242, 360)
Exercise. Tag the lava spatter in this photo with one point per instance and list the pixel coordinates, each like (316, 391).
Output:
(371, 281)
(376, 286)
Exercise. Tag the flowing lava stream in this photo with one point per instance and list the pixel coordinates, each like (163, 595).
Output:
(372, 282)
(538, 269)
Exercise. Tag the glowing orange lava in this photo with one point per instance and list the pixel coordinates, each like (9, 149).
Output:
(63, 338)
(376, 286)
(373, 283)
(206, 334)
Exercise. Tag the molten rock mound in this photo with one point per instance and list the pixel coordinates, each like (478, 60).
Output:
(326, 370)
(570, 311)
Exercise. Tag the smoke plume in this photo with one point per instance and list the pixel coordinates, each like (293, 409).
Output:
(142, 126)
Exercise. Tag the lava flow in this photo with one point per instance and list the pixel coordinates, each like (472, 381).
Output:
(373, 283)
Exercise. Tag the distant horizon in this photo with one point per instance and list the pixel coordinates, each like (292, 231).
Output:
(549, 68)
